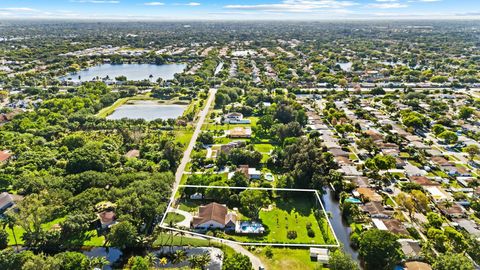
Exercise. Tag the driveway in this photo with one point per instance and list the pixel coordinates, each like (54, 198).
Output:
(188, 217)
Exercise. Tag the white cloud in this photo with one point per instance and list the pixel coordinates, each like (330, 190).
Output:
(190, 4)
(96, 1)
(387, 5)
(154, 4)
(296, 5)
(18, 9)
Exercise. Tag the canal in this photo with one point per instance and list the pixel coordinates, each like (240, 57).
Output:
(341, 228)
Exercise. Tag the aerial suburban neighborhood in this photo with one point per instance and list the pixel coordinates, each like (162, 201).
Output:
(269, 145)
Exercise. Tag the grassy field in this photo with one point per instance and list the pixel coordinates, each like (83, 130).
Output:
(19, 231)
(94, 240)
(288, 259)
(176, 240)
(291, 214)
(263, 147)
(109, 110)
(183, 136)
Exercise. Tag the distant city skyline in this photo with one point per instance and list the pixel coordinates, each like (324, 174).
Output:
(240, 10)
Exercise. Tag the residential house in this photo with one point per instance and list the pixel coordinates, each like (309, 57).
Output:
(423, 181)
(367, 194)
(235, 118)
(438, 194)
(411, 248)
(5, 156)
(392, 225)
(411, 170)
(240, 132)
(250, 173)
(227, 148)
(469, 226)
(214, 216)
(134, 153)
(350, 171)
(452, 210)
(6, 201)
(376, 209)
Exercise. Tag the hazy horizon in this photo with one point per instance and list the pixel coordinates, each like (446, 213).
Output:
(305, 10)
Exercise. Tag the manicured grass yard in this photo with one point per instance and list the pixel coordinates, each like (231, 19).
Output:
(292, 214)
(288, 259)
(263, 147)
(174, 218)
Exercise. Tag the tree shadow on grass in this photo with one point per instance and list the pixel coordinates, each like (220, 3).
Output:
(302, 203)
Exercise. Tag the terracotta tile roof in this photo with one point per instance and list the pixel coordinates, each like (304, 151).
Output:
(417, 266)
(370, 194)
(134, 153)
(395, 226)
(441, 161)
(423, 181)
(4, 156)
(213, 211)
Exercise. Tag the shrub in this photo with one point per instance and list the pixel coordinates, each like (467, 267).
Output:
(292, 234)
(310, 233)
(268, 252)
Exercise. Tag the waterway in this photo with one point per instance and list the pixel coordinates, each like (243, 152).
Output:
(340, 226)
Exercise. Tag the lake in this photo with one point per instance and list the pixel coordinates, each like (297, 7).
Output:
(133, 72)
(148, 110)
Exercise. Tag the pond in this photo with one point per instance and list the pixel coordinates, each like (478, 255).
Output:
(133, 72)
(148, 110)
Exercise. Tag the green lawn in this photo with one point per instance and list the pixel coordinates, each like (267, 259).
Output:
(95, 240)
(19, 231)
(110, 109)
(183, 136)
(176, 240)
(263, 147)
(291, 214)
(288, 259)
(174, 218)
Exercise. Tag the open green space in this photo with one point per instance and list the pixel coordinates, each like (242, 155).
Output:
(288, 259)
(19, 231)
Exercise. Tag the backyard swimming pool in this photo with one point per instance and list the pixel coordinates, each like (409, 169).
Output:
(250, 227)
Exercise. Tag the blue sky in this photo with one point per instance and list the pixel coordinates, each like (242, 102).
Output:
(240, 9)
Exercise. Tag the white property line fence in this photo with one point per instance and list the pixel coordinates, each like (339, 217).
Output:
(222, 240)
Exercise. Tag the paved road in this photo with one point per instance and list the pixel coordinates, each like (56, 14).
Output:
(186, 155)
(256, 263)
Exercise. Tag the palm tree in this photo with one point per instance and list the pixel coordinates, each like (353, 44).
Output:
(10, 221)
(98, 262)
(179, 256)
(199, 261)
